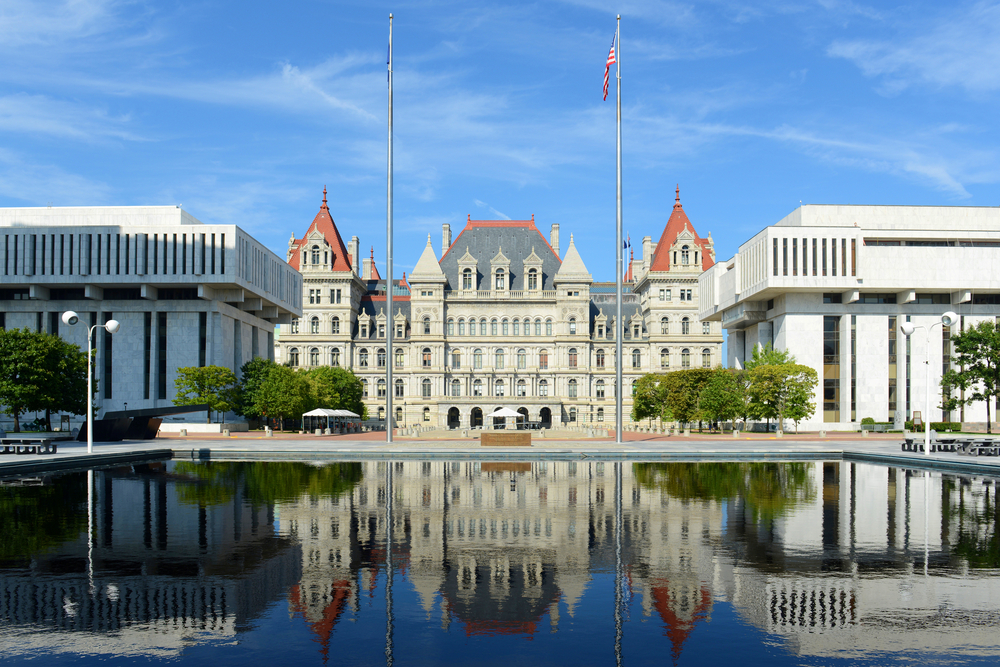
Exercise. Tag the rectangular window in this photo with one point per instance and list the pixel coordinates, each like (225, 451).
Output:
(202, 338)
(147, 351)
(107, 379)
(202, 245)
(831, 368)
(843, 257)
(814, 256)
(854, 257)
(212, 253)
(892, 369)
(833, 257)
(43, 255)
(99, 254)
(161, 356)
(774, 252)
(128, 253)
(222, 253)
(795, 257)
(824, 256)
(854, 368)
(784, 257)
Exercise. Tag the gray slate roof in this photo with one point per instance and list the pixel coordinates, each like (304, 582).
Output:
(516, 238)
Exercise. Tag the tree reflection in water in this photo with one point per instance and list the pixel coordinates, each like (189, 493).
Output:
(263, 482)
(976, 518)
(37, 519)
(768, 489)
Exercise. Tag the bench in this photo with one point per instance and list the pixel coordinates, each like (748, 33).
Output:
(18, 446)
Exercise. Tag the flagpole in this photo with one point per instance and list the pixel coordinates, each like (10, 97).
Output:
(619, 324)
(389, 323)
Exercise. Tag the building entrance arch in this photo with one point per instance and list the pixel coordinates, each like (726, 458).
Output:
(545, 417)
(476, 418)
(454, 418)
(524, 413)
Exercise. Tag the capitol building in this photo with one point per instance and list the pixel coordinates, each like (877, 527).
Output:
(503, 316)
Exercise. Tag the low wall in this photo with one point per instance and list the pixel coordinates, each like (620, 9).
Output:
(175, 427)
(508, 439)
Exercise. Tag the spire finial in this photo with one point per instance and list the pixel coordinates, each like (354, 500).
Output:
(677, 199)
(468, 217)
(324, 196)
(373, 253)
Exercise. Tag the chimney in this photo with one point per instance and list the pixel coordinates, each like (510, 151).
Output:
(445, 238)
(647, 251)
(367, 270)
(554, 238)
(353, 248)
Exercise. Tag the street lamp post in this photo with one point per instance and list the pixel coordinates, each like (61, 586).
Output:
(112, 326)
(947, 319)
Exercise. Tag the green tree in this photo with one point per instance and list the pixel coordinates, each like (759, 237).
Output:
(65, 386)
(283, 393)
(40, 372)
(649, 400)
(253, 373)
(724, 396)
(781, 390)
(975, 367)
(768, 356)
(336, 388)
(683, 389)
(214, 386)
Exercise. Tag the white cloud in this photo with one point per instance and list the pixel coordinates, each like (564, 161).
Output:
(39, 114)
(482, 204)
(959, 49)
(42, 184)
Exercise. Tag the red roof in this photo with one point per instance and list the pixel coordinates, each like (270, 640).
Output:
(324, 224)
(677, 223)
(679, 628)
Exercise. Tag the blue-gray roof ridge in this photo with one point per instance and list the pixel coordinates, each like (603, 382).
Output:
(516, 238)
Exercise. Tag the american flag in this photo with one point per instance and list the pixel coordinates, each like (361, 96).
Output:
(607, 66)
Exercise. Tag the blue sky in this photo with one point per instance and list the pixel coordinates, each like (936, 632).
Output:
(242, 112)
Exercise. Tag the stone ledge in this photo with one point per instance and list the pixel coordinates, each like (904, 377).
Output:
(516, 439)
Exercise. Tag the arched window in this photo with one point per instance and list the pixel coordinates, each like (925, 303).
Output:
(335, 356)
(548, 327)
(498, 358)
(543, 359)
(399, 416)
(467, 279)
(504, 331)
(636, 359)
(482, 327)
(456, 358)
(532, 279)
(600, 389)
(527, 327)
(293, 356)
(572, 357)
(538, 327)
(364, 388)
(425, 357)
(314, 356)
(664, 325)
(380, 388)
(425, 388)
(600, 358)
(461, 327)
(314, 325)
(706, 358)
(493, 327)
(456, 388)
(634, 387)
(517, 327)
(522, 359)
(363, 358)
(400, 357)
(572, 388)
(315, 255)
(477, 358)
(451, 326)
(572, 325)
(685, 326)
(664, 358)
(427, 325)
(501, 280)
(335, 325)
(684, 255)
(572, 415)
(685, 358)
(498, 388)
(381, 414)
(295, 325)
(380, 356)
(427, 415)
(600, 414)
(522, 388)
(477, 387)
(399, 387)
(543, 387)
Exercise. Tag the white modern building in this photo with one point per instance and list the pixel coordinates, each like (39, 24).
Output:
(185, 293)
(833, 284)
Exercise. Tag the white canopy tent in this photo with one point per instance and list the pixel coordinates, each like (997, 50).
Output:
(507, 412)
(339, 416)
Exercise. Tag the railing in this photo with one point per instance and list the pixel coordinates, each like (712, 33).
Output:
(508, 295)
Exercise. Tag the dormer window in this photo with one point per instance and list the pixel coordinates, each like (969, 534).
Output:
(501, 280)
(467, 279)
(684, 255)
(533, 279)
(364, 331)
(315, 255)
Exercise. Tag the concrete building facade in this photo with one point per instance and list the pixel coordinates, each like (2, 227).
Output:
(185, 293)
(505, 317)
(833, 284)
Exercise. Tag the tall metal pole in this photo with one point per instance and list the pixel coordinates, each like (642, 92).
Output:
(389, 618)
(619, 571)
(390, 323)
(619, 324)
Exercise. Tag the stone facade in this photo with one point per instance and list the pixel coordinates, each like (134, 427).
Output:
(185, 293)
(500, 320)
(833, 284)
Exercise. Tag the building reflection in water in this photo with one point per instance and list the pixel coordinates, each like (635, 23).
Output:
(828, 555)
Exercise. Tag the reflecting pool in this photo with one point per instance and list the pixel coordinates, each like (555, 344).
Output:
(470, 562)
